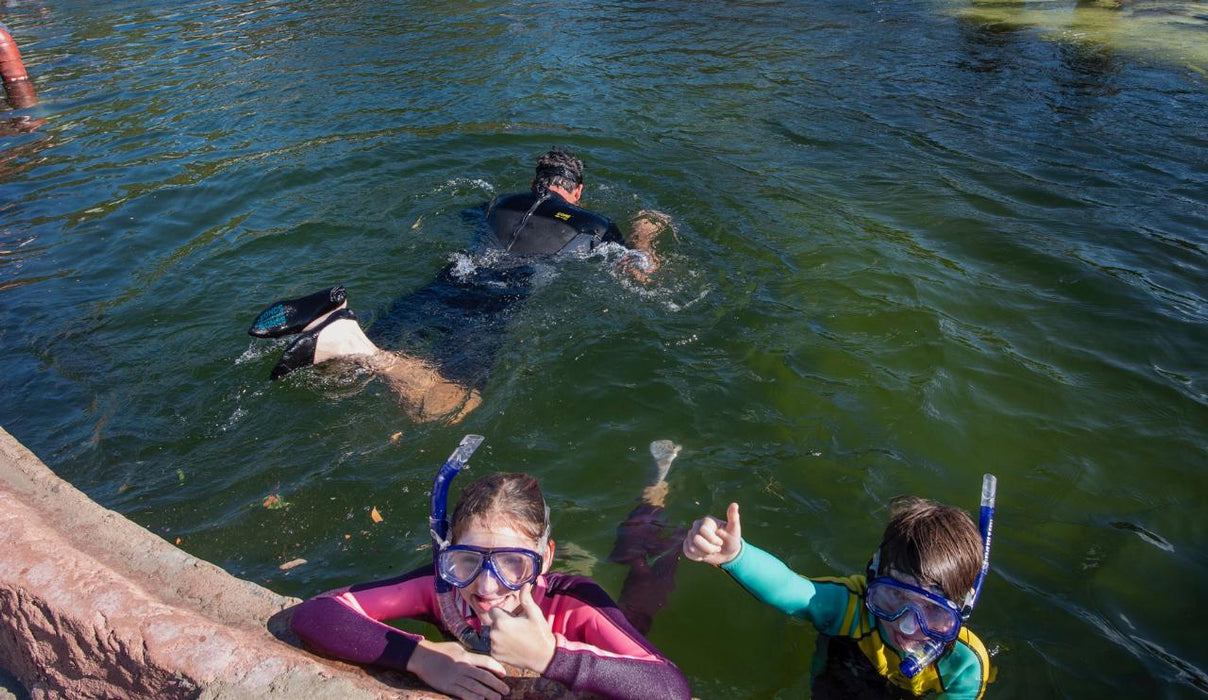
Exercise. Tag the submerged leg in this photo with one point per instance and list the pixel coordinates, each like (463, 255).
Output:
(424, 392)
(649, 546)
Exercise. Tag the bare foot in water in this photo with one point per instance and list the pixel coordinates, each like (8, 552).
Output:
(423, 392)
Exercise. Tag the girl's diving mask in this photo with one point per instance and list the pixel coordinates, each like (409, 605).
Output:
(460, 565)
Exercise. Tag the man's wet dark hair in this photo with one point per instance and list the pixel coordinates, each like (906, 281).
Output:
(558, 168)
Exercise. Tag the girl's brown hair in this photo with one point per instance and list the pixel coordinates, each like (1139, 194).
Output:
(937, 544)
(511, 496)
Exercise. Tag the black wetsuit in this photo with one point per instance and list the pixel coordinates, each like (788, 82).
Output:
(554, 226)
(458, 320)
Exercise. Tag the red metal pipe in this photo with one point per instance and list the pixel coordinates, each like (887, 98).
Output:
(17, 86)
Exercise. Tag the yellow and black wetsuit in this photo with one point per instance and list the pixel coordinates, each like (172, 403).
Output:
(835, 606)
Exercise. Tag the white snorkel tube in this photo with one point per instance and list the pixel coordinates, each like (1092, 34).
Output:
(438, 527)
(913, 664)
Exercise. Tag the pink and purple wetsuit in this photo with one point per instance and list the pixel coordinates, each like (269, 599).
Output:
(598, 651)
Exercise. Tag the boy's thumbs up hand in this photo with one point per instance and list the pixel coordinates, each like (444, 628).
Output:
(522, 638)
(715, 541)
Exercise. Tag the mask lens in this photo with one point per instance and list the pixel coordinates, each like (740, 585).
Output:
(939, 620)
(460, 566)
(887, 600)
(514, 568)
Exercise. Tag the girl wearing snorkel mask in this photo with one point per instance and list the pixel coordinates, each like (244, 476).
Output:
(899, 629)
(490, 586)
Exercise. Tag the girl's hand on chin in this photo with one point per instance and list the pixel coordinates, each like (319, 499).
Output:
(451, 669)
(523, 638)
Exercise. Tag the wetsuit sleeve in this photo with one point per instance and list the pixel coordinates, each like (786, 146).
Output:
(599, 652)
(345, 623)
(768, 579)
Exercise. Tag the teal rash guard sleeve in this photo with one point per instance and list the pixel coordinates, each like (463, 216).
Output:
(772, 582)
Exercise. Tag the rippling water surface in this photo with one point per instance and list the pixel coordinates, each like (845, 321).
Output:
(917, 241)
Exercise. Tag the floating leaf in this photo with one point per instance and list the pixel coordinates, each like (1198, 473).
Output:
(291, 564)
(347, 536)
(395, 437)
(375, 516)
(275, 502)
(180, 476)
(178, 540)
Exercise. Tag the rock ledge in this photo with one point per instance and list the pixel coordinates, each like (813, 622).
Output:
(92, 605)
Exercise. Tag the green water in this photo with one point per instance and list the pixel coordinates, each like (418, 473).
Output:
(917, 242)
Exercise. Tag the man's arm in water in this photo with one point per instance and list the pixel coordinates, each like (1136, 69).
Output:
(647, 227)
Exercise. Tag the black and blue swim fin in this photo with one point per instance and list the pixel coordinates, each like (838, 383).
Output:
(301, 352)
(292, 315)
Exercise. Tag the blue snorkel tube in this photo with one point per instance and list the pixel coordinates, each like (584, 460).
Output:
(986, 526)
(913, 664)
(438, 527)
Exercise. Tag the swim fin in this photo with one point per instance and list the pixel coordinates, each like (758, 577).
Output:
(301, 352)
(664, 453)
(292, 315)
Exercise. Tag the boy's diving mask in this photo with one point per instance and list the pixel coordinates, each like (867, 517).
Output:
(890, 599)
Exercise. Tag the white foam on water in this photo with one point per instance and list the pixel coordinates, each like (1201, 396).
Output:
(459, 183)
(236, 416)
(258, 350)
(660, 290)
(465, 264)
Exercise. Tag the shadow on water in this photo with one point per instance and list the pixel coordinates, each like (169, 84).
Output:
(11, 688)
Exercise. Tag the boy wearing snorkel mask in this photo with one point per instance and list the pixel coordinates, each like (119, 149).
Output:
(896, 631)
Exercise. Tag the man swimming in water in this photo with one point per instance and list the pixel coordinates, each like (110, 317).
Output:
(454, 325)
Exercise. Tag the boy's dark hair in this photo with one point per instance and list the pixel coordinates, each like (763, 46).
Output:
(513, 497)
(558, 168)
(937, 544)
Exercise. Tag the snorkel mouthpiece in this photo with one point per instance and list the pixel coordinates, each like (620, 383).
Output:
(438, 524)
(928, 652)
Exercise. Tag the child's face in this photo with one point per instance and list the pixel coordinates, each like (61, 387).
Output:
(486, 592)
(905, 633)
